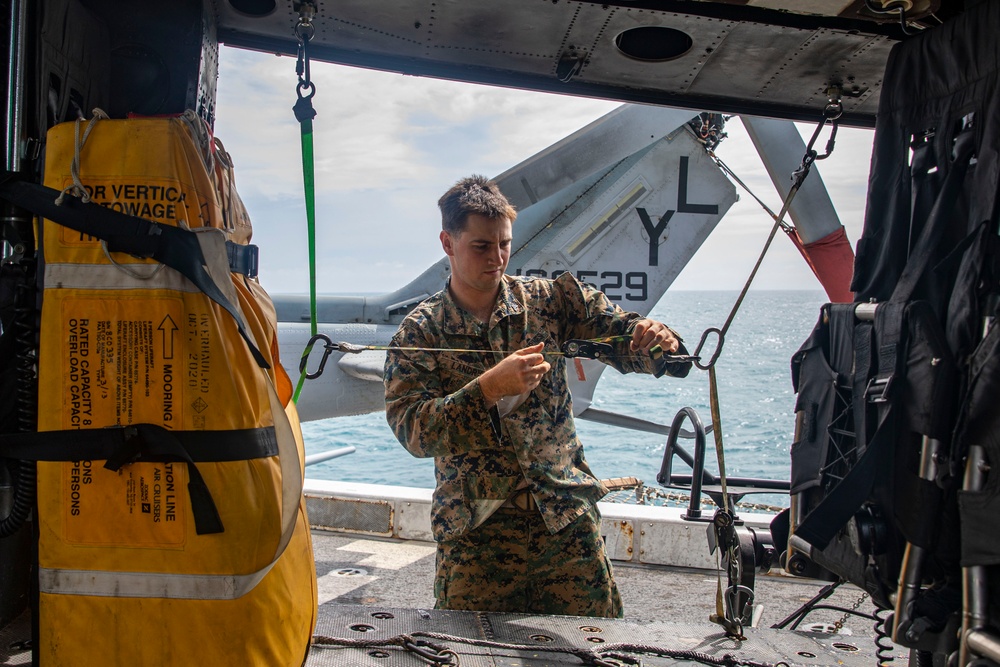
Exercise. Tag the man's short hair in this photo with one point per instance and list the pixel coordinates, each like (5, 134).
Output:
(473, 195)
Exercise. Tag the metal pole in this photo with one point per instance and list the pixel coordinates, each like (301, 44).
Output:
(985, 644)
(14, 108)
(13, 120)
(974, 601)
(913, 556)
(698, 467)
(866, 311)
(975, 605)
(313, 459)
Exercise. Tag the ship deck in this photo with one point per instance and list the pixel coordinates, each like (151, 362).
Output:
(376, 588)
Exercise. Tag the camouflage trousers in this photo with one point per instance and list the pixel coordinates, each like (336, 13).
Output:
(511, 563)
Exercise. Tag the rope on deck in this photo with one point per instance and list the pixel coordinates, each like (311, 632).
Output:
(608, 656)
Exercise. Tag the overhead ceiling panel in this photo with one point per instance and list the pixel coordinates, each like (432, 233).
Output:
(610, 65)
(721, 62)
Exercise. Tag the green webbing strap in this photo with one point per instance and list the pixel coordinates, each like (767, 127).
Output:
(305, 113)
(309, 182)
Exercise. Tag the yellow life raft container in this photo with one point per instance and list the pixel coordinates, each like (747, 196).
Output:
(187, 542)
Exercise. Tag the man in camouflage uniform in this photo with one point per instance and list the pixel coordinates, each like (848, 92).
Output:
(515, 507)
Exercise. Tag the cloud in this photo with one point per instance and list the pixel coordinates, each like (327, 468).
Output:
(387, 145)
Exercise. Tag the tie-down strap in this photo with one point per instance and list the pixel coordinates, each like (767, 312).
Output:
(148, 443)
(175, 247)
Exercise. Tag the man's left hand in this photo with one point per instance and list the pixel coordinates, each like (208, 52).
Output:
(650, 333)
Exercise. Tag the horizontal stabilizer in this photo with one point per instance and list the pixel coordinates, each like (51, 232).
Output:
(367, 365)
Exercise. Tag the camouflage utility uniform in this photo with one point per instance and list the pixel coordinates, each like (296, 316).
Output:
(548, 556)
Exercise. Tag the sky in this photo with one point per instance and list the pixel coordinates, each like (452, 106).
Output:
(388, 145)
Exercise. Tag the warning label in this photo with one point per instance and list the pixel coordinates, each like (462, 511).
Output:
(161, 201)
(80, 401)
(125, 369)
(199, 362)
(134, 340)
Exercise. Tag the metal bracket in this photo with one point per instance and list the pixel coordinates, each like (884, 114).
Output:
(586, 349)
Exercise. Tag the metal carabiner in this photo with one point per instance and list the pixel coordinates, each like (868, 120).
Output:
(741, 610)
(304, 32)
(696, 357)
(832, 112)
(436, 654)
(328, 347)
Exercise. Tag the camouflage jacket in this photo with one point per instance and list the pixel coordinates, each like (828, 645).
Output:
(436, 408)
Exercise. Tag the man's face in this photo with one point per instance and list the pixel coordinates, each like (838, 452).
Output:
(479, 253)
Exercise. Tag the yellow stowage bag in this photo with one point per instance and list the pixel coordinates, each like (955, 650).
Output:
(128, 341)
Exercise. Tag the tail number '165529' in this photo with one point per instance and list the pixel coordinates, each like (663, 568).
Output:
(631, 286)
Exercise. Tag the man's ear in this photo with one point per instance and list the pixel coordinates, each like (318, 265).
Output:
(446, 243)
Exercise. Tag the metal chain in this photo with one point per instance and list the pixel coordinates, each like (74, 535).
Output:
(843, 619)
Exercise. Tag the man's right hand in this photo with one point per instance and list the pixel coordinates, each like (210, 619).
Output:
(516, 374)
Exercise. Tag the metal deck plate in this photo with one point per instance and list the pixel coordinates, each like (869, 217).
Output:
(523, 640)
(355, 623)
(15, 648)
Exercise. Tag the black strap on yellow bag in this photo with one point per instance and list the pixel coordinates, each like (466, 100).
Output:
(172, 246)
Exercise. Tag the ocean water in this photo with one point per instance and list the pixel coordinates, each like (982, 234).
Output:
(755, 397)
